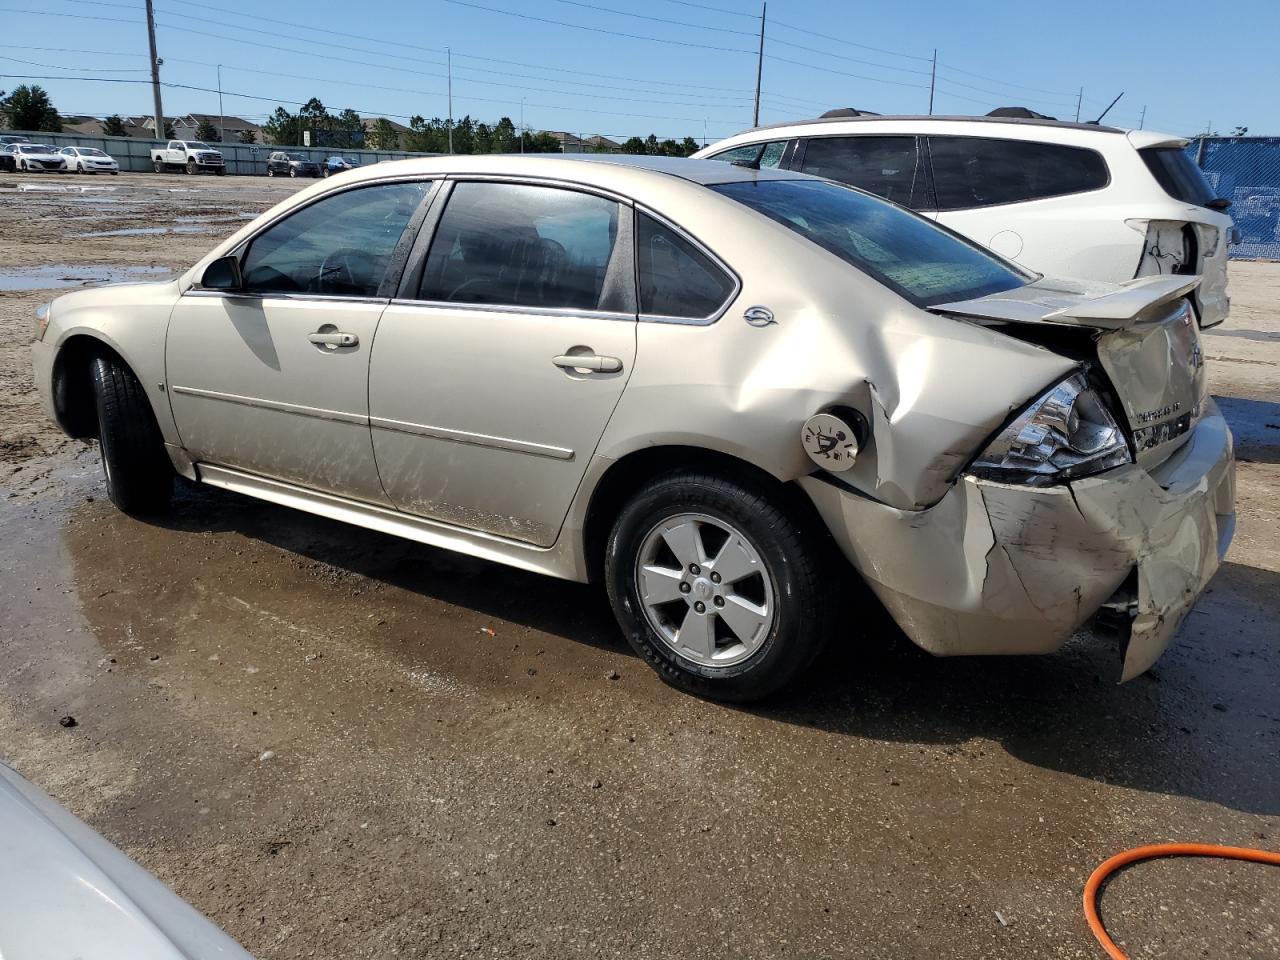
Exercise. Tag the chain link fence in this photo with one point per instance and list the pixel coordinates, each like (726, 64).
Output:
(1246, 171)
(134, 153)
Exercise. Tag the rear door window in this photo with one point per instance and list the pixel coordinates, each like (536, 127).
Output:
(521, 245)
(677, 279)
(973, 172)
(889, 167)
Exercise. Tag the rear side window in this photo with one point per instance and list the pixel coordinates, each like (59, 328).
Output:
(520, 245)
(676, 279)
(914, 257)
(889, 167)
(755, 154)
(975, 172)
(1177, 175)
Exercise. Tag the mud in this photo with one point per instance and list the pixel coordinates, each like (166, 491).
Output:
(335, 743)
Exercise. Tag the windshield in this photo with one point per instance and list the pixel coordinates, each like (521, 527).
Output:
(36, 148)
(90, 152)
(1178, 175)
(910, 255)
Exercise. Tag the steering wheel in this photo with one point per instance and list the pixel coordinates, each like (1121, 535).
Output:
(339, 271)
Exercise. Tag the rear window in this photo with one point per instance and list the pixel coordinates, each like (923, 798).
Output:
(912, 256)
(889, 167)
(973, 172)
(1177, 175)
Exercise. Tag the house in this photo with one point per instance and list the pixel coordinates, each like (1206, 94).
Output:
(370, 123)
(85, 126)
(576, 143)
(185, 126)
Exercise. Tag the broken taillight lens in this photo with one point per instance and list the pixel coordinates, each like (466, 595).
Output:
(1067, 432)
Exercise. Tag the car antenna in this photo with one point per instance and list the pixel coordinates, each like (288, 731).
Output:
(1108, 110)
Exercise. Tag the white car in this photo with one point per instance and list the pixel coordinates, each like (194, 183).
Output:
(30, 157)
(89, 160)
(66, 892)
(1064, 199)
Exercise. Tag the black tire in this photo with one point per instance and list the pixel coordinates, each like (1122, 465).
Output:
(157, 166)
(138, 472)
(293, 172)
(222, 171)
(791, 553)
(271, 171)
(191, 168)
(324, 171)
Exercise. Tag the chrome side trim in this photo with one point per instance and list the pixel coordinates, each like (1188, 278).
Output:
(524, 556)
(279, 406)
(474, 439)
(271, 295)
(504, 308)
(562, 183)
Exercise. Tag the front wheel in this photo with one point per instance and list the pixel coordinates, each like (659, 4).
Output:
(79, 168)
(716, 584)
(138, 472)
(293, 171)
(191, 168)
(271, 171)
(222, 171)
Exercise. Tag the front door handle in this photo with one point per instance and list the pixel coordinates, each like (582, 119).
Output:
(334, 339)
(593, 363)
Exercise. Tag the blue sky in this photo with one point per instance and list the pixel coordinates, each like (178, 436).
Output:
(686, 66)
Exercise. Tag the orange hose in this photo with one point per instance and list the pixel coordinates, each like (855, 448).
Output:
(1108, 867)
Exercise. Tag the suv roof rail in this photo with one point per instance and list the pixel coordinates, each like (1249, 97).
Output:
(1019, 113)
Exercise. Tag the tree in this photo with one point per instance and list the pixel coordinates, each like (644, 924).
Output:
(113, 126)
(383, 135)
(633, 145)
(689, 146)
(248, 136)
(651, 145)
(207, 132)
(29, 108)
(504, 137)
(282, 128)
(346, 130)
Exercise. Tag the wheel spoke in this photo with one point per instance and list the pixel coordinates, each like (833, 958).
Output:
(747, 620)
(734, 561)
(660, 584)
(685, 541)
(697, 632)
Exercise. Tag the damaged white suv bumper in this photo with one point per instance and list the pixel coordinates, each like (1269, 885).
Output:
(998, 568)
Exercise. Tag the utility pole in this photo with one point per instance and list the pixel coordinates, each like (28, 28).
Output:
(1143, 117)
(222, 117)
(704, 131)
(155, 70)
(522, 124)
(933, 77)
(755, 116)
(1079, 100)
(449, 55)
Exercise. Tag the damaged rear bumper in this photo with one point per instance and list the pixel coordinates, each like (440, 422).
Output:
(1005, 569)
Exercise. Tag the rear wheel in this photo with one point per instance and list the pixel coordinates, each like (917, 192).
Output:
(324, 171)
(138, 472)
(293, 171)
(157, 166)
(716, 586)
(271, 172)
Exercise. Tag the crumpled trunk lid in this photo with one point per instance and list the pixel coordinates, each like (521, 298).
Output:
(1146, 339)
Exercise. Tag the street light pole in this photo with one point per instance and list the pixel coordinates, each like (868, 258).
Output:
(449, 55)
(222, 117)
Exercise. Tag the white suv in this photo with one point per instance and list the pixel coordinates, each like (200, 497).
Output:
(1065, 199)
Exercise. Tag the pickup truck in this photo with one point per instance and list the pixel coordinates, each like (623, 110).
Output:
(191, 155)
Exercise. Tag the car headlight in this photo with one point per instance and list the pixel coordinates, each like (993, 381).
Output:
(42, 320)
(1067, 432)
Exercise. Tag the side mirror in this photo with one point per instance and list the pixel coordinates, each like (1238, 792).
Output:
(223, 274)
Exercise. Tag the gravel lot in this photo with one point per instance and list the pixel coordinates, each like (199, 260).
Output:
(339, 744)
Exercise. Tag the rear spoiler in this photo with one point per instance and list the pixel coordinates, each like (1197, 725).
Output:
(1120, 307)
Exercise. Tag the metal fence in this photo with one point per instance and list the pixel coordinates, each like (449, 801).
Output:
(1246, 171)
(134, 153)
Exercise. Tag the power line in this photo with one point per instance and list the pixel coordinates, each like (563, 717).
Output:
(54, 66)
(641, 16)
(851, 43)
(704, 6)
(613, 33)
(841, 73)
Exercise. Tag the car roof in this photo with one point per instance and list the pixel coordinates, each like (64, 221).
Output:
(1004, 121)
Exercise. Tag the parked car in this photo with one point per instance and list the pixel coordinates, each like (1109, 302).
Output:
(8, 161)
(8, 138)
(1065, 199)
(66, 892)
(337, 164)
(32, 157)
(193, 156)
(89, 160)
(285, 164)
(691, 381)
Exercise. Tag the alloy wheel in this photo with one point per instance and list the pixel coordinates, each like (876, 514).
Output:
(705, 589)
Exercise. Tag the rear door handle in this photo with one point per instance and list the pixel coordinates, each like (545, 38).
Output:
(334, 339)
(592, 363)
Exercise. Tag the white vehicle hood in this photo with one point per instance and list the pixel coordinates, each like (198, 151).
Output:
(65, 892)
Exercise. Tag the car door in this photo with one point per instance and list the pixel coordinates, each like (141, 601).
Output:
(496, 370)
(888, 166)
(1041, 204)
(272, 378)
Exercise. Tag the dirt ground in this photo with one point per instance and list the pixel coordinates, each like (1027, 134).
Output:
(338, 744)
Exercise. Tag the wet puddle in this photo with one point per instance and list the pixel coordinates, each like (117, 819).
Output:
(62, 275)
(147, 231)
(60, 188)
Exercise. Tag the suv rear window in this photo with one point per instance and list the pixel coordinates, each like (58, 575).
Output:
(914, 257)
(889, 167)
(973, 172)
(1177, 175)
